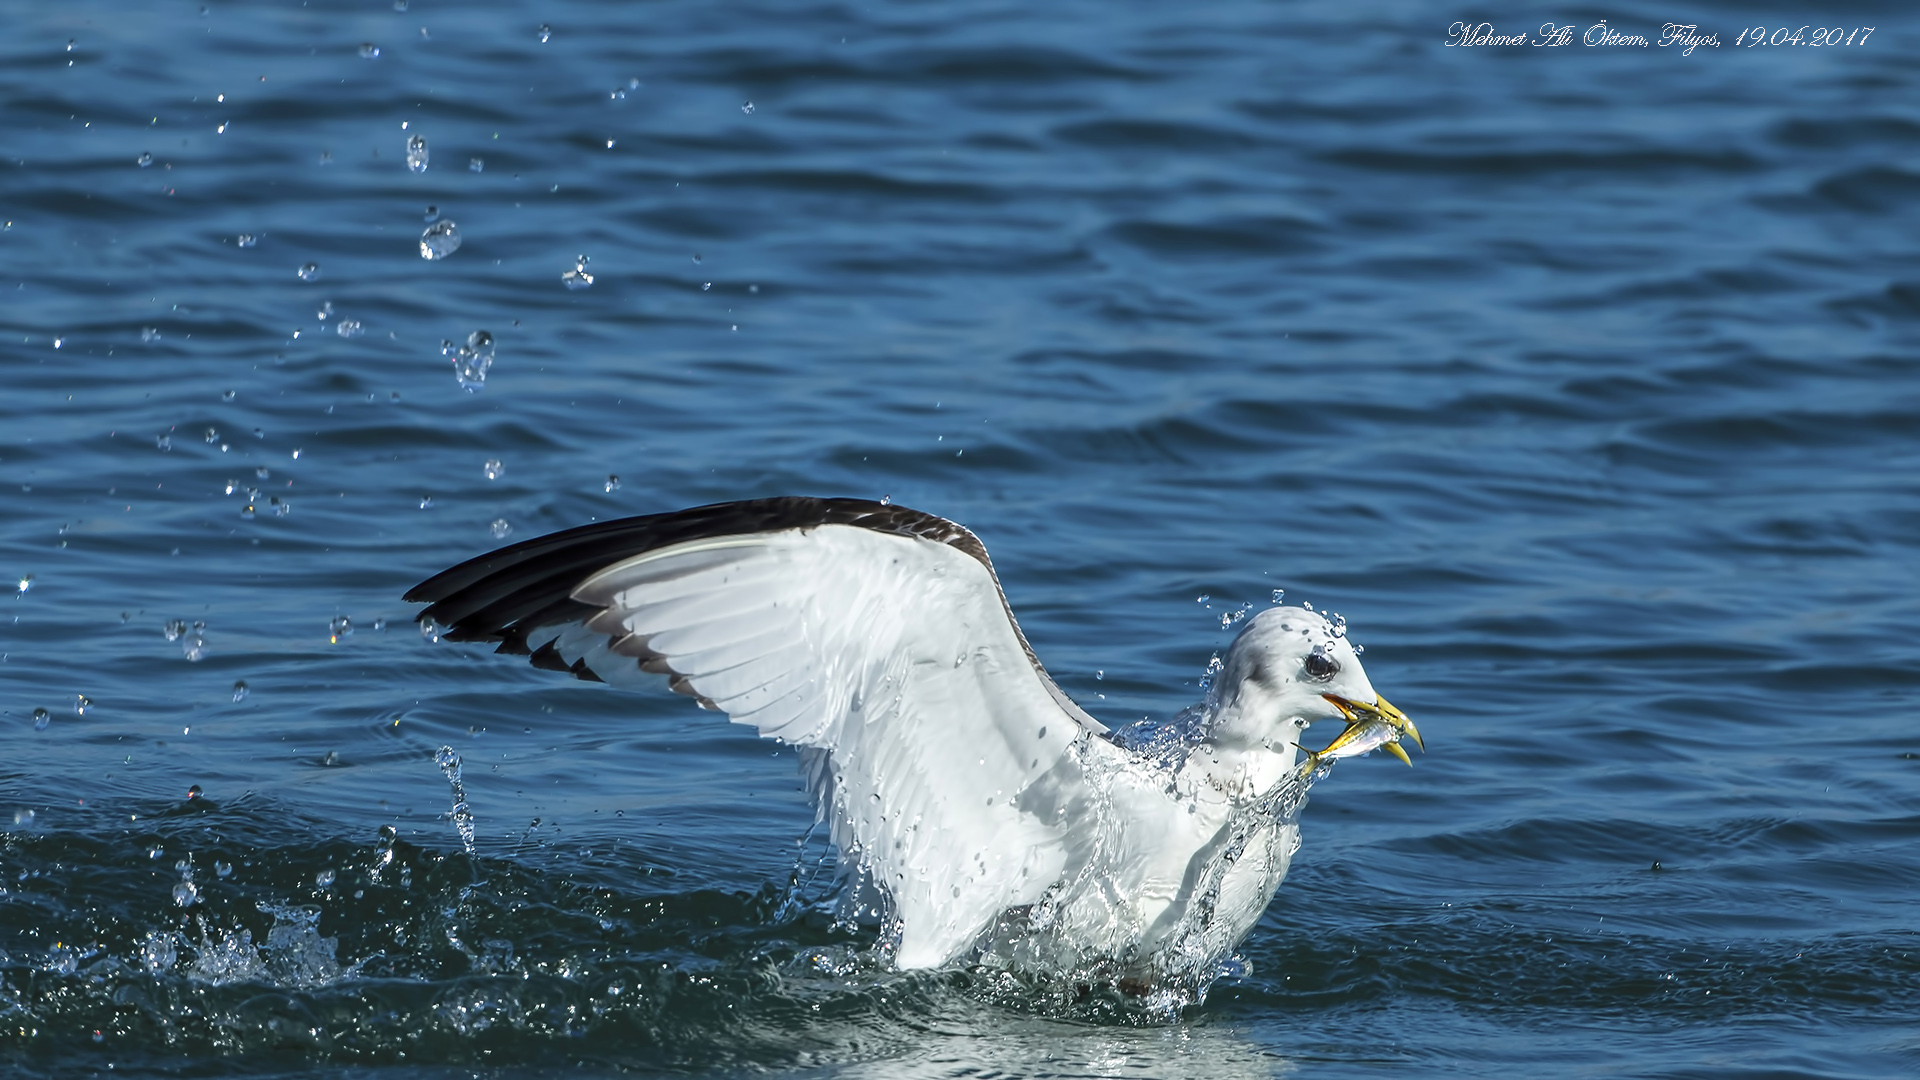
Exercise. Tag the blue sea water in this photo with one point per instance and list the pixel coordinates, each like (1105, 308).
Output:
(1583, 380)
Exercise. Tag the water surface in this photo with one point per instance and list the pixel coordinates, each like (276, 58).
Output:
(1582, 381)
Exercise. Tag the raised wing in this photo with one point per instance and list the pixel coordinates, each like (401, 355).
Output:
(874, 635)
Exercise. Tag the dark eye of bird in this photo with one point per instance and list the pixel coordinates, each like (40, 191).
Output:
(1320, 666)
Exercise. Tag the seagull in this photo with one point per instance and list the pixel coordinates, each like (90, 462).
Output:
(997, 821)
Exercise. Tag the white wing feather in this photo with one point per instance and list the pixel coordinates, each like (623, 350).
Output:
(947, 776)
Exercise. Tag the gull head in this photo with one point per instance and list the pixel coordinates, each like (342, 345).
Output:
(1288, 668)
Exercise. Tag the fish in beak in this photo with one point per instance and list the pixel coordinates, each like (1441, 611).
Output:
(1369, 727)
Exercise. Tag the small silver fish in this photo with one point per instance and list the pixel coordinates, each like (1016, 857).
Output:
(1361, 737)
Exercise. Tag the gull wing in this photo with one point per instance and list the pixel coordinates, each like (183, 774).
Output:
(875, 636)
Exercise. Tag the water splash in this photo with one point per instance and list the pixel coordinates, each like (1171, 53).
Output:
(461, 815)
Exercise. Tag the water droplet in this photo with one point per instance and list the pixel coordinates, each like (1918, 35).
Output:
(430, 630)
(1100, 675)
(461, 814)
(173, 629)
(494, 469)
(240, 690)
(578, 278)
(296, 451)
(164, 442)
(433, 214)
(185, 893)
(23, 817)
(325, 312)
(500, 528)
(546, 32)
(26, 580)
(340, 627)
(1203, 598)
(441, 239)
(310, 271)
(41, 718)
(1279, 595)
(248, 511)
(347, 328)
(426, 502)
(369, 51)
(193, 643)
(475, 165)
(471, 361)
(58, 342)
(280, 508)
(213, 436)
(417, 153)
(227, 395)
(613, 483)
(706, 287)
(1308, 604)
(144, 160)
(323, 879)
(222, 869)
(81, 703)
(886, 500)
(399, 5)
(246, 240)
(747, 108)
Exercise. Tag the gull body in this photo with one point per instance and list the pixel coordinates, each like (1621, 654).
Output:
(1001, 823)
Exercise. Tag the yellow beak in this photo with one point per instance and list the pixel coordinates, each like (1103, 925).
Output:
(1381, 709)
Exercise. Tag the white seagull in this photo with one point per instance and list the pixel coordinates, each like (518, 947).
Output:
(998, 821)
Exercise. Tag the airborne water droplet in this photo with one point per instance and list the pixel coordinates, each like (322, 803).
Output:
(470, 361)
(369, 51)
(144, 160)
(185, 893)
(613, 483)
(578, 278)
(340, 627)
(417, 153)
(494, 469)
(500, 528)
(545, 33)
(240, 690)
(310, 271)
(41, 718)
(441, 239)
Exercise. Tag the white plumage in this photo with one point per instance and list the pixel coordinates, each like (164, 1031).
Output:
(997, 817)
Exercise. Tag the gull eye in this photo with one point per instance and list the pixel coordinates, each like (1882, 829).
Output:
(1320, 667)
